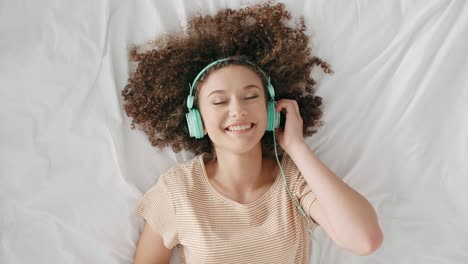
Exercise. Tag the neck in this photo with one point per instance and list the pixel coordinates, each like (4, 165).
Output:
(242, 171)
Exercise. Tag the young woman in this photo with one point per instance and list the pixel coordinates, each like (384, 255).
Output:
(217, 90)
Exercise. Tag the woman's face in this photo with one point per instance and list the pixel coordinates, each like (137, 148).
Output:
(232, 104)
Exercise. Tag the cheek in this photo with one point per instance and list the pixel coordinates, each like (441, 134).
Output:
(261, 108)
(210, 120)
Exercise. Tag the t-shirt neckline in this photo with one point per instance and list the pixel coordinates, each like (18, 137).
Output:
(230, 201)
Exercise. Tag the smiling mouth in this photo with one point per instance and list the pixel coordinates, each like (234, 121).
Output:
(240, 129)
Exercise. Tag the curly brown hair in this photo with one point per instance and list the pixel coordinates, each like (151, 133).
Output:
(156, 93)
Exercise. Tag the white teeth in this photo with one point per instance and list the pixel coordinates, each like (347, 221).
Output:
(239, 128)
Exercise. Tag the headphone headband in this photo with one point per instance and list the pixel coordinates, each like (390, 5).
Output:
(191, 98)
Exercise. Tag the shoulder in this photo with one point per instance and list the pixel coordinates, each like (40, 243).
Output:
(293, 174)
(290, 167)
(182, 175)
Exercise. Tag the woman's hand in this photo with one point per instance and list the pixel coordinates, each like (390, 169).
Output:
(292, 135)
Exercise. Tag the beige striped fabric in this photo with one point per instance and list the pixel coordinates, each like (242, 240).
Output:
(207, 227)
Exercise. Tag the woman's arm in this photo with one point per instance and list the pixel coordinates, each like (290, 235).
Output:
(151, 249)
(347, 216)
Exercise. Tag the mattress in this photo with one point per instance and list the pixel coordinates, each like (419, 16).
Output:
(72, 170)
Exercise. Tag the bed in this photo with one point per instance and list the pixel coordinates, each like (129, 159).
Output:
(72, 170)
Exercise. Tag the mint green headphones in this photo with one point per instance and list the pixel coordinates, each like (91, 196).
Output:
(194, 121)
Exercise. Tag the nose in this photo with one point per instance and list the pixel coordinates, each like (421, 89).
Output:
(237, 109)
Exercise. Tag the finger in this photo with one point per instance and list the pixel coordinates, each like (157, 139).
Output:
(289, 105)
(283, 104)
(296, 105)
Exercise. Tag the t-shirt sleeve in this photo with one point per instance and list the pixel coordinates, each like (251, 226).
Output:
(304, 194)
(157, 209)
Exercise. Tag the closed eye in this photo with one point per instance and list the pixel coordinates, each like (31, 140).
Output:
(251, 97)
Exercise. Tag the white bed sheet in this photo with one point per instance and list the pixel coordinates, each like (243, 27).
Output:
(71, 170)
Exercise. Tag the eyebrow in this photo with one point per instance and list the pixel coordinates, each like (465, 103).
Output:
(245, 88)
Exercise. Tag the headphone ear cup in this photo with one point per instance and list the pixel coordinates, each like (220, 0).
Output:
(272, 116)
(194, 123)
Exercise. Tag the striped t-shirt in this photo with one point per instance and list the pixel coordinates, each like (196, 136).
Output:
(207, 227)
